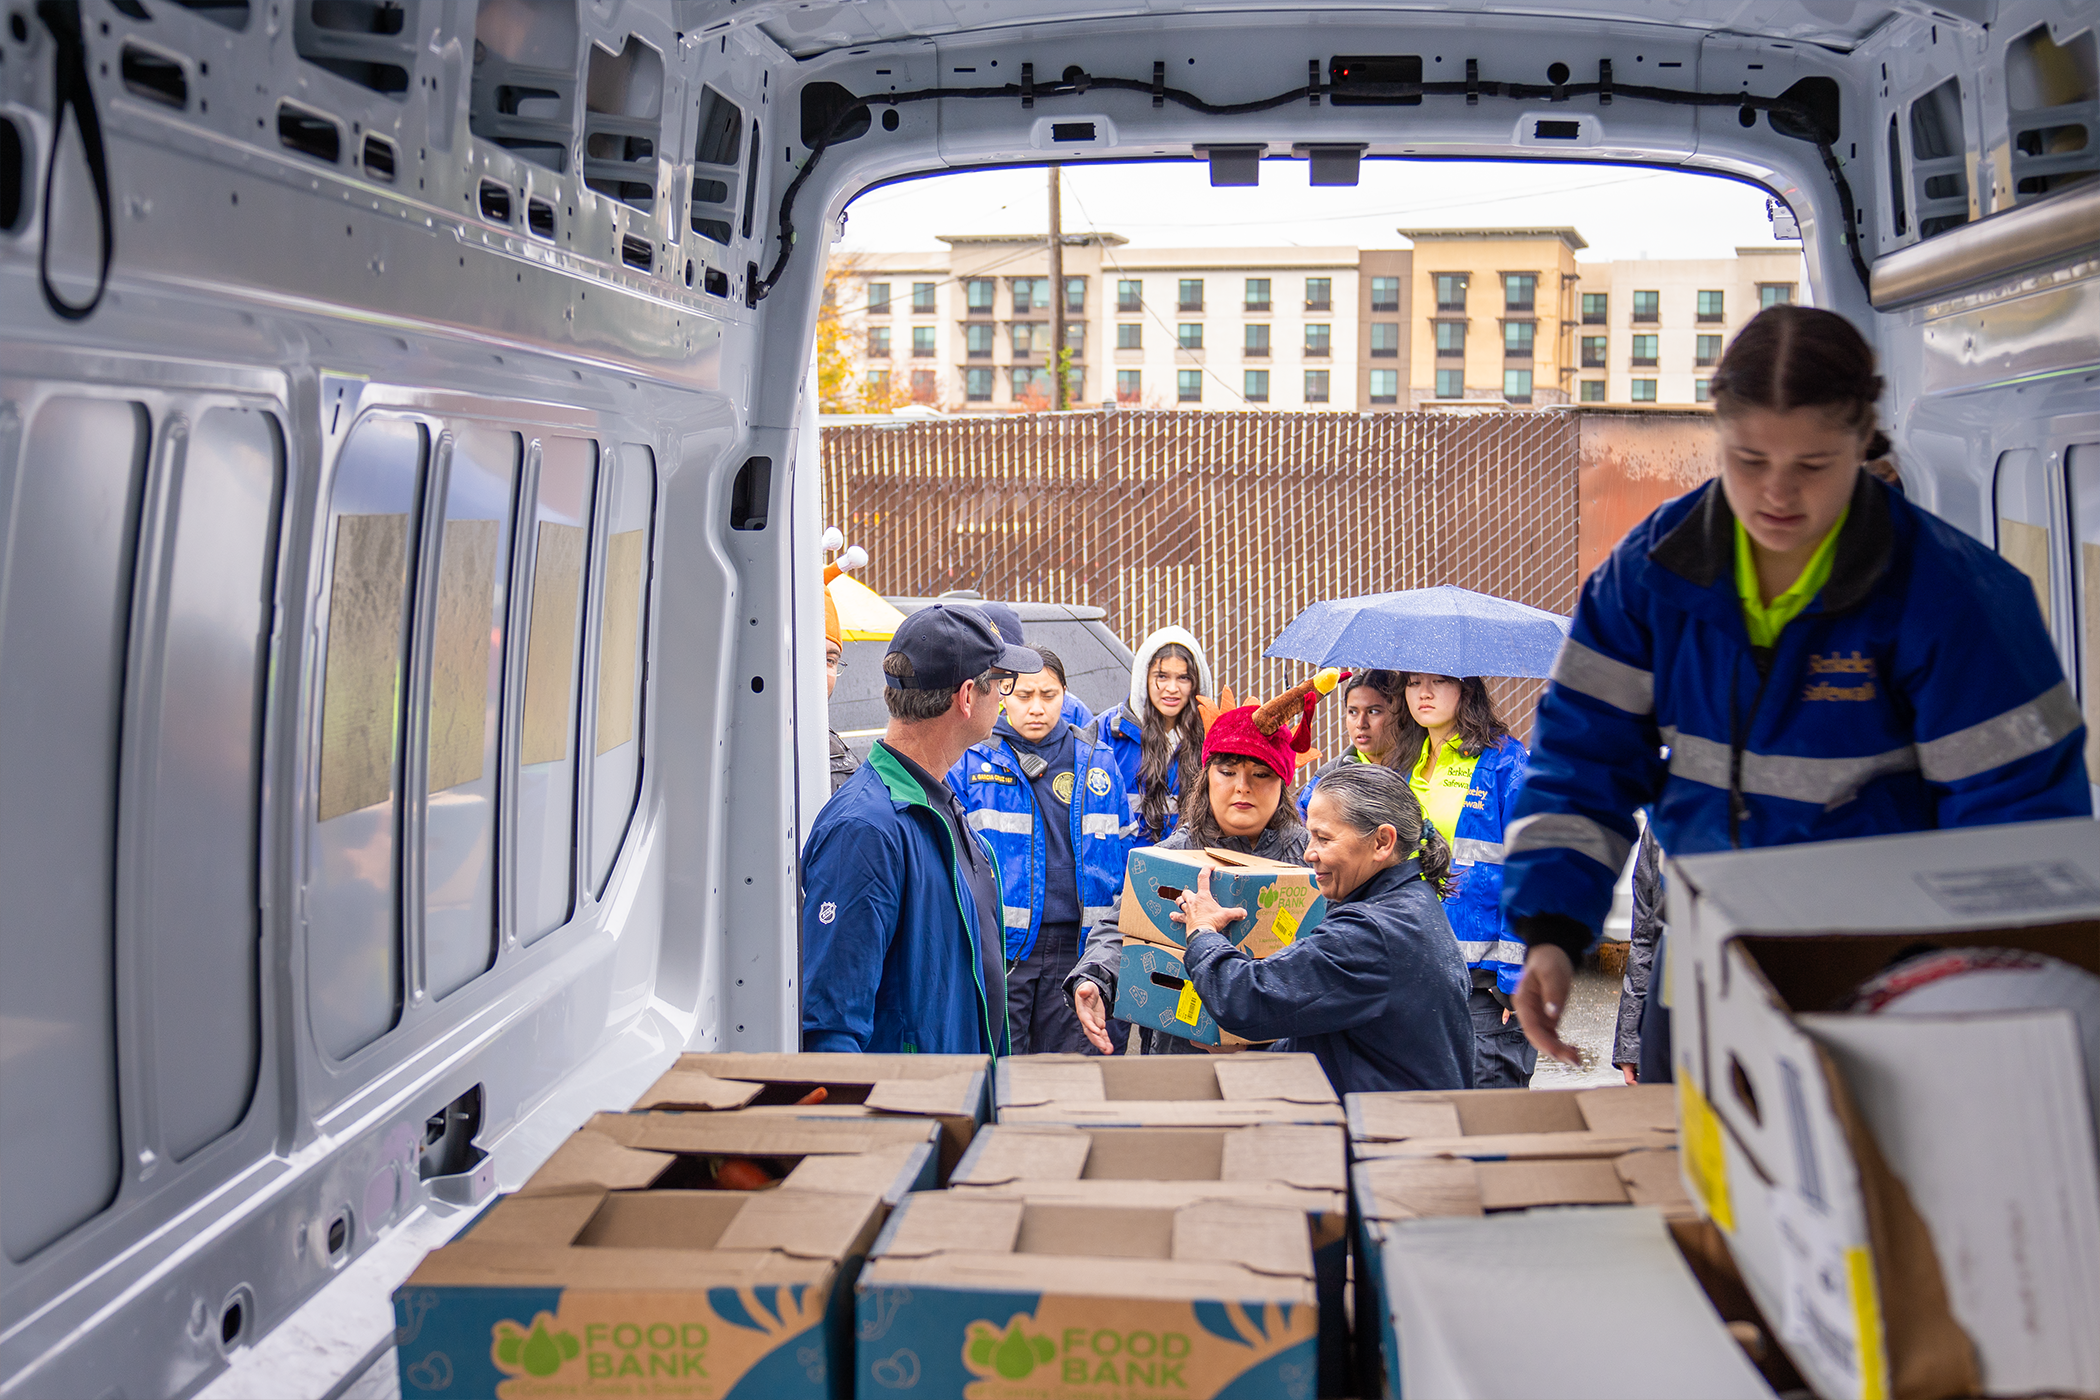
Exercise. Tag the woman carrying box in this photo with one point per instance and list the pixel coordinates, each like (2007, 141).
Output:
(1377, 991)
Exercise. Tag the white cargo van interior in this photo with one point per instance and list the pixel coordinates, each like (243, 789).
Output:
(408, 524)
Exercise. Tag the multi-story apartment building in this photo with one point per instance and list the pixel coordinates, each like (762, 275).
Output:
(1465, 315)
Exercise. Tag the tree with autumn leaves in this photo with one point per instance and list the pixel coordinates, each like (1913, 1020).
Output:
(841, 388)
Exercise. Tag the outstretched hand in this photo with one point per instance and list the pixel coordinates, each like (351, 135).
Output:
(1542, 996)
(1092, 1009)
(1199, 910)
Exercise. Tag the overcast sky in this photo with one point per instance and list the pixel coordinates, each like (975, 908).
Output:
(1622, 212)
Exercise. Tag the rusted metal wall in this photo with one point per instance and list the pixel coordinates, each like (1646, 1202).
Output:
(1630, 462)
(1228, 524)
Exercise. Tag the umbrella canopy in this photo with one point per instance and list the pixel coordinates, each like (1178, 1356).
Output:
(863, 615)
(1447, 631)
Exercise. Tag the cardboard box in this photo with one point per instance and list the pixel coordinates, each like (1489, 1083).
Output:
(1286, 1165)
(1489, 1123)
(999, 1298)
(954, 1090)
(1153, 990)
(1552, 1302)
(1913, 1200)
(1281, 900)
(1136, 1091)
(642, 1151)
(709, 1294)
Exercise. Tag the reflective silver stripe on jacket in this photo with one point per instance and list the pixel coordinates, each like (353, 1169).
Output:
(1093, 914)
(1098, 824)
(1826, 782)
(1467, 851)
(1598, 676)
(1012, 823)
(1501, 950)
(2021, 732)
(1017, 915)
(1566, 831)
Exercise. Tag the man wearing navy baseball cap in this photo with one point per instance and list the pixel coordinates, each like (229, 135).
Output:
(903, 939)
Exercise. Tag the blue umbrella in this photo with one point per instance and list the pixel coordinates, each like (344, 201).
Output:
(1447, 631)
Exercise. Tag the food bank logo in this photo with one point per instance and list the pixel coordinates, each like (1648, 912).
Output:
(605, 1351)
(1091, 1356)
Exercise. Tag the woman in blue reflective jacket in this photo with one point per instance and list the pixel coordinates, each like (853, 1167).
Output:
(1049, 803)
(1793, 652)
(1156, 736)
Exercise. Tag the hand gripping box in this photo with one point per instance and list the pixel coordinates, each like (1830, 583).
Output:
(954, 1090)
(1912, 1199)
(1153, 989)
(735, 1152)
(713, 1295)
(1002, 1298)
(1136, 1091)
(1296, 1167)
(1485, 1124)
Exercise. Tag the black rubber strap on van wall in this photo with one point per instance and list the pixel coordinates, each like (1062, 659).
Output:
(1077, 81)
(70, 78)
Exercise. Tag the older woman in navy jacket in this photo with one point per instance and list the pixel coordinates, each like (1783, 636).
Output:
(1378, 990)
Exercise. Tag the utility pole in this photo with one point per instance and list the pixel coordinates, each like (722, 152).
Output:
(1057, 295)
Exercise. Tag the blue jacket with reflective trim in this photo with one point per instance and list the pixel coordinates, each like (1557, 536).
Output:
(1118, 733)
(1474, 905)
(892, 959)
(1918, 689)
(1003, 811)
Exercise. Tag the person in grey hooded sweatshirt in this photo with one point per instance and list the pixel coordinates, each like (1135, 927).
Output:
(1157, 734)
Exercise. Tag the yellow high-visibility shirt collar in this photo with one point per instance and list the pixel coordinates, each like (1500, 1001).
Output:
(1443, 796)
(1765, 620)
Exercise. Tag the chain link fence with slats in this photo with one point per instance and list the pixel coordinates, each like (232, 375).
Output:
(1228, 524)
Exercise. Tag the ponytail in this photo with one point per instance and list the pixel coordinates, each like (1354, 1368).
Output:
(1435, 855)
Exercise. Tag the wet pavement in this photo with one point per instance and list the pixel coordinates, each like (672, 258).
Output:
(1589, 1022)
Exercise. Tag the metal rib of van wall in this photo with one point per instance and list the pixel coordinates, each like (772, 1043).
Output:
(2061, 227)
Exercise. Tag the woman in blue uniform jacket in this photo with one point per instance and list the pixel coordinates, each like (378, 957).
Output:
(1156, 736)
(1048, 802)
(1378, 990)
(1793, 652)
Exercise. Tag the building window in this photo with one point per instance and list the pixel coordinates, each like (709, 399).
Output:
(1030, 384)
(922, 298)
(1075, 338)
(878, 342)
(878, 298)
(977, 339)
(1519, 290)
(1189, 335)
(1316, 386)
(1319, 294)
(1710, 306)
(1450, 291)
(1595, 306)
(1257, 294)
(1593, 391)
(1075, 295)
(1257, 345)
(1385, 294)
(922, 386)
(1702, 391)
(977, 384)
(1516, 385)
(1644, 391)
(1593, 352)
(875, 385)
(1709, 351)
(922, 342)
(1256, 387)
(1385, 386)
(1188, 386)
(1031, 294)
(1075, 385)
(1130, 295)
(1450, 383)
(1451, 338)
(1774, 294)
(1647, 308)
(1516, 340)
(978, 293)
(1130, 385)
(1385, 339)
(1130, 335)
(1318, 340)
(1644, 353)
(1029, 337)
(1190, 295)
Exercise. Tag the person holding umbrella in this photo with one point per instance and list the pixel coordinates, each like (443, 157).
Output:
(1157, 734)
(1793, 652)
